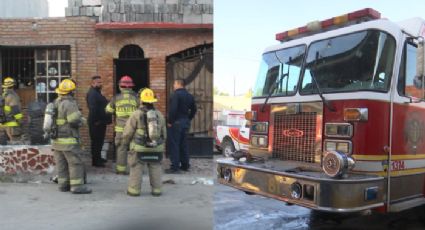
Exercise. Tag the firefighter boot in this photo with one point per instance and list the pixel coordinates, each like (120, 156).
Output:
(64, 188)
(132, 194)
(156, 192)
(80, 190)
(155, 178)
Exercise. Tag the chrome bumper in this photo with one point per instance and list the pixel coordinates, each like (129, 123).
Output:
(354, 193)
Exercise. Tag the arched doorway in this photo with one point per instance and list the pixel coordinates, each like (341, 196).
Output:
(132, 62)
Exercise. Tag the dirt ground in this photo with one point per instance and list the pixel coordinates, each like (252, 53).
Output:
(33, 202)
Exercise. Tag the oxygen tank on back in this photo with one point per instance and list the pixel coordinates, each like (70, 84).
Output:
(49, 124)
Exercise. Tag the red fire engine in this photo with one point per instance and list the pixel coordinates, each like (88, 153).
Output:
(338, 118)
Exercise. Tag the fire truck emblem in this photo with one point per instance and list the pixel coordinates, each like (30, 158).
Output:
(414, 131)
(293, 133)
(413, 134)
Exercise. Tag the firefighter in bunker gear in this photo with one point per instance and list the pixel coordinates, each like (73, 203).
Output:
(122, 106)
(145, 133)
(66, 145)
(10, 113)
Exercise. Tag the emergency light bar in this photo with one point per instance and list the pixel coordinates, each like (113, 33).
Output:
(339, 21)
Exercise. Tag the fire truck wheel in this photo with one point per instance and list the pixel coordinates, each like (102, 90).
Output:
(227, 147)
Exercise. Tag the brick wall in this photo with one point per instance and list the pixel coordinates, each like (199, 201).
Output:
(78, 33)
(93, 52)
(157, 45)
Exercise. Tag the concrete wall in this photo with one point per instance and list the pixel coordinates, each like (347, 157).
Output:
(24, 9)
(176, 11)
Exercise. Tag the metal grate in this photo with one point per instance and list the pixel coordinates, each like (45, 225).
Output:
(294, 136)
(18, 62)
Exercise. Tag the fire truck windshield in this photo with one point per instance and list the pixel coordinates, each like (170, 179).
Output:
(274, 66)
(360, 61)
(354, 62)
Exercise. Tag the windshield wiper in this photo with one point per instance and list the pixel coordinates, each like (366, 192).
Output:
(327, 103)
(282, 76)
(276, 83)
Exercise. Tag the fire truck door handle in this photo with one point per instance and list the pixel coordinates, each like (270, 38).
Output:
(242, 131)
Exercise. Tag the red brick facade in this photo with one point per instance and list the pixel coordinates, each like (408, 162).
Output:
(93, 51)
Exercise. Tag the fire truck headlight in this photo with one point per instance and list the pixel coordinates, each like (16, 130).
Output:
(260, 127)
(344, 130)
(259, 141)
(336, 164)
(338, 145)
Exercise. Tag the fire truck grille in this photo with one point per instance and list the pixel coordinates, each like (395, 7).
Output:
(294, 136)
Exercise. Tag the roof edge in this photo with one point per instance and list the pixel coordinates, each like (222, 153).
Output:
(150, 25)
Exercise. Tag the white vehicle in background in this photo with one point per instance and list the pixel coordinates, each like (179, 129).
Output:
(231, 133)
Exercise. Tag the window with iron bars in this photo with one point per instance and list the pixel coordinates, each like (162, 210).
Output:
(37, 71)
(52, 65)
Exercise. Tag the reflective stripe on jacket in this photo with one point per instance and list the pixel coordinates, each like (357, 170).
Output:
(12, 108)
(69, 119)
(122, 106)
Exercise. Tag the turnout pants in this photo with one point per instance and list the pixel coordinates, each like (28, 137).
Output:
(70, 168)
(11, 134)
(121, 150)
(136, 170)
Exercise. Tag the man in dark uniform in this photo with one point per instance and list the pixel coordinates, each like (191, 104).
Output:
(97, 120)
(181, 111)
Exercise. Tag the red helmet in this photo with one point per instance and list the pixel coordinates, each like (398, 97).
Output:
(126, 82)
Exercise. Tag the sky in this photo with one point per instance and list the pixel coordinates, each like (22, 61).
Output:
(244, 28)
(57, 8)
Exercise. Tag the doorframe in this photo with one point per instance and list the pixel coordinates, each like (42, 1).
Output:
(114, 66)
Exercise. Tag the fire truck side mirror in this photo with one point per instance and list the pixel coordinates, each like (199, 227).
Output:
(420, 65)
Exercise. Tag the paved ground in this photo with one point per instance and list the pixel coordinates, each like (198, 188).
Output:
(235, 210)
(35, 203)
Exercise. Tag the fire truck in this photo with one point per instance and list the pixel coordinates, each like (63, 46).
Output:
(337, 120)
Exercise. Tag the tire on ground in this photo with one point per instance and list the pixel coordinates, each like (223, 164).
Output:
(227, 147)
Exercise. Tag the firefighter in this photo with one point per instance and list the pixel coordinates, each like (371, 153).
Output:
(66, 143)
(10, 113)
(145, 133)
(122, 106)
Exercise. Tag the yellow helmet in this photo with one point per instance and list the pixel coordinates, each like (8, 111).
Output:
(8, 82)
(147, 96)
(66, 86)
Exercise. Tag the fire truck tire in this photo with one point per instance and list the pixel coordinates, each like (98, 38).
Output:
(227, 147)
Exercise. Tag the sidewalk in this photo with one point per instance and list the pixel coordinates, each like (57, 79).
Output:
(37, 204)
